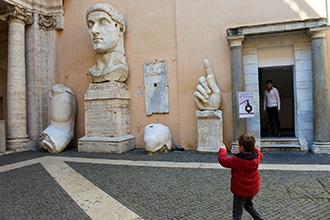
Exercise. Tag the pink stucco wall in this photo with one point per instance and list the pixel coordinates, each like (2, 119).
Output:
(182, 32)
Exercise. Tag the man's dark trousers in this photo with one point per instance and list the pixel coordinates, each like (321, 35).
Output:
(273, 120)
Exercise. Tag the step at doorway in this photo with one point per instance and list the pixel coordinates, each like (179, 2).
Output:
(280, 144)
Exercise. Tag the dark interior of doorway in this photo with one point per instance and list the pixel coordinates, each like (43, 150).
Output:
(282, 77)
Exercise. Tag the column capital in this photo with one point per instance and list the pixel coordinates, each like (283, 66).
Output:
(318, 32)
(16, 12)
(235, 41)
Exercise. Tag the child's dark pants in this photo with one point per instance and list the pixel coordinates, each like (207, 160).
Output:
(246, 203)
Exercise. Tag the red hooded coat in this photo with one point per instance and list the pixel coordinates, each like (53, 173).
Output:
(245, 177)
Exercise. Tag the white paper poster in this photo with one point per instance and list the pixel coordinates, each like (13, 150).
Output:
(246, 108)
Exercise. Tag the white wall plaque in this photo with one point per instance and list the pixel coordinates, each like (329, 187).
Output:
(156, 87)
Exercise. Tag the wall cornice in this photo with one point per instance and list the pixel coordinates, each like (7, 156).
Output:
(278, 27)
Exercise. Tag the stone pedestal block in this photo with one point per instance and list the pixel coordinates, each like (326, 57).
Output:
(107, 123)
(2, 136)
(115, 145)
(210, 132)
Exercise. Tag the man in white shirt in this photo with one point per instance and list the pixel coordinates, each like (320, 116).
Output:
(272, 105)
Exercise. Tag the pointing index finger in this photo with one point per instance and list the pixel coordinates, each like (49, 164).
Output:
(210, 77)
(208, 68)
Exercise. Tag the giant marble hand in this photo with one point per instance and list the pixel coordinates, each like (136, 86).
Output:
(207, 95)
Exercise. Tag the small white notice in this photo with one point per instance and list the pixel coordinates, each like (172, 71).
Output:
(246, 108)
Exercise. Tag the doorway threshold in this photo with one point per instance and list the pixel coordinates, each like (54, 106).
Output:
(280, 144)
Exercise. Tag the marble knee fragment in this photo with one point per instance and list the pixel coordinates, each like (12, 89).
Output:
(62, 109)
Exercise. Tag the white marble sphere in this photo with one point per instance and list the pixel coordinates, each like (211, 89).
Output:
(157, 138)
(60, 132)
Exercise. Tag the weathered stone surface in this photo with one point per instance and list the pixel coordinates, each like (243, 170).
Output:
(107, 122)
(237, 82)
(156, 87)
(58, 135)
(210, 132)
(108, 90)
(2, 136)
(116, 145)
(321, 148)
(106, 110)
(16, 87)
(157, 136)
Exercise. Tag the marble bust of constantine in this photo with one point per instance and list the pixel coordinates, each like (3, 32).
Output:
(106, 27)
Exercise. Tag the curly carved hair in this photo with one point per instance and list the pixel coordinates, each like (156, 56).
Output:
(111, 11)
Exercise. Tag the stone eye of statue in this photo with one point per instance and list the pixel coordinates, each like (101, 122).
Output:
(104, 21)
(90, 24)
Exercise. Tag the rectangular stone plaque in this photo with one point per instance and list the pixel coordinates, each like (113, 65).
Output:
(156, 87)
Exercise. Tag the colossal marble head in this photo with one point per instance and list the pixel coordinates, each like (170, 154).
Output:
(106, 27)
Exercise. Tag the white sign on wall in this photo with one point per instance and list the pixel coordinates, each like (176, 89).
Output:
(246, 108)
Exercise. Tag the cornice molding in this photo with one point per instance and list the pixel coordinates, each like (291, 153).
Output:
(43, 6)
(278, 27)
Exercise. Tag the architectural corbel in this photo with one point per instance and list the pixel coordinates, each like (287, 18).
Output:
(47, 22)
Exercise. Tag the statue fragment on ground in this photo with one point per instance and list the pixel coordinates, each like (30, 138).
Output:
(62, 110)
(157, 138)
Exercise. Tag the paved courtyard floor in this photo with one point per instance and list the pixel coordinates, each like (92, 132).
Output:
(176, 185)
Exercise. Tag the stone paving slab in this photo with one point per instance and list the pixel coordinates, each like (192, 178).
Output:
(31, 193)
(178, 156)
(152, 192)
(181, 193)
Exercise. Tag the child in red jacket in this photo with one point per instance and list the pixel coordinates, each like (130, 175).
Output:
(245, 177)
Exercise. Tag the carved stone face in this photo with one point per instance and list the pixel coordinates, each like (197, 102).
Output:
(103, 32)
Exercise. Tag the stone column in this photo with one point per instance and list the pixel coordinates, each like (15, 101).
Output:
(238, 85)
(17, 137)
(34, 81)
(321, 93)
(2, 136)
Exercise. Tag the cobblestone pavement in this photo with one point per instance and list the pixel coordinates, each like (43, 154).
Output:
(177, 185)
